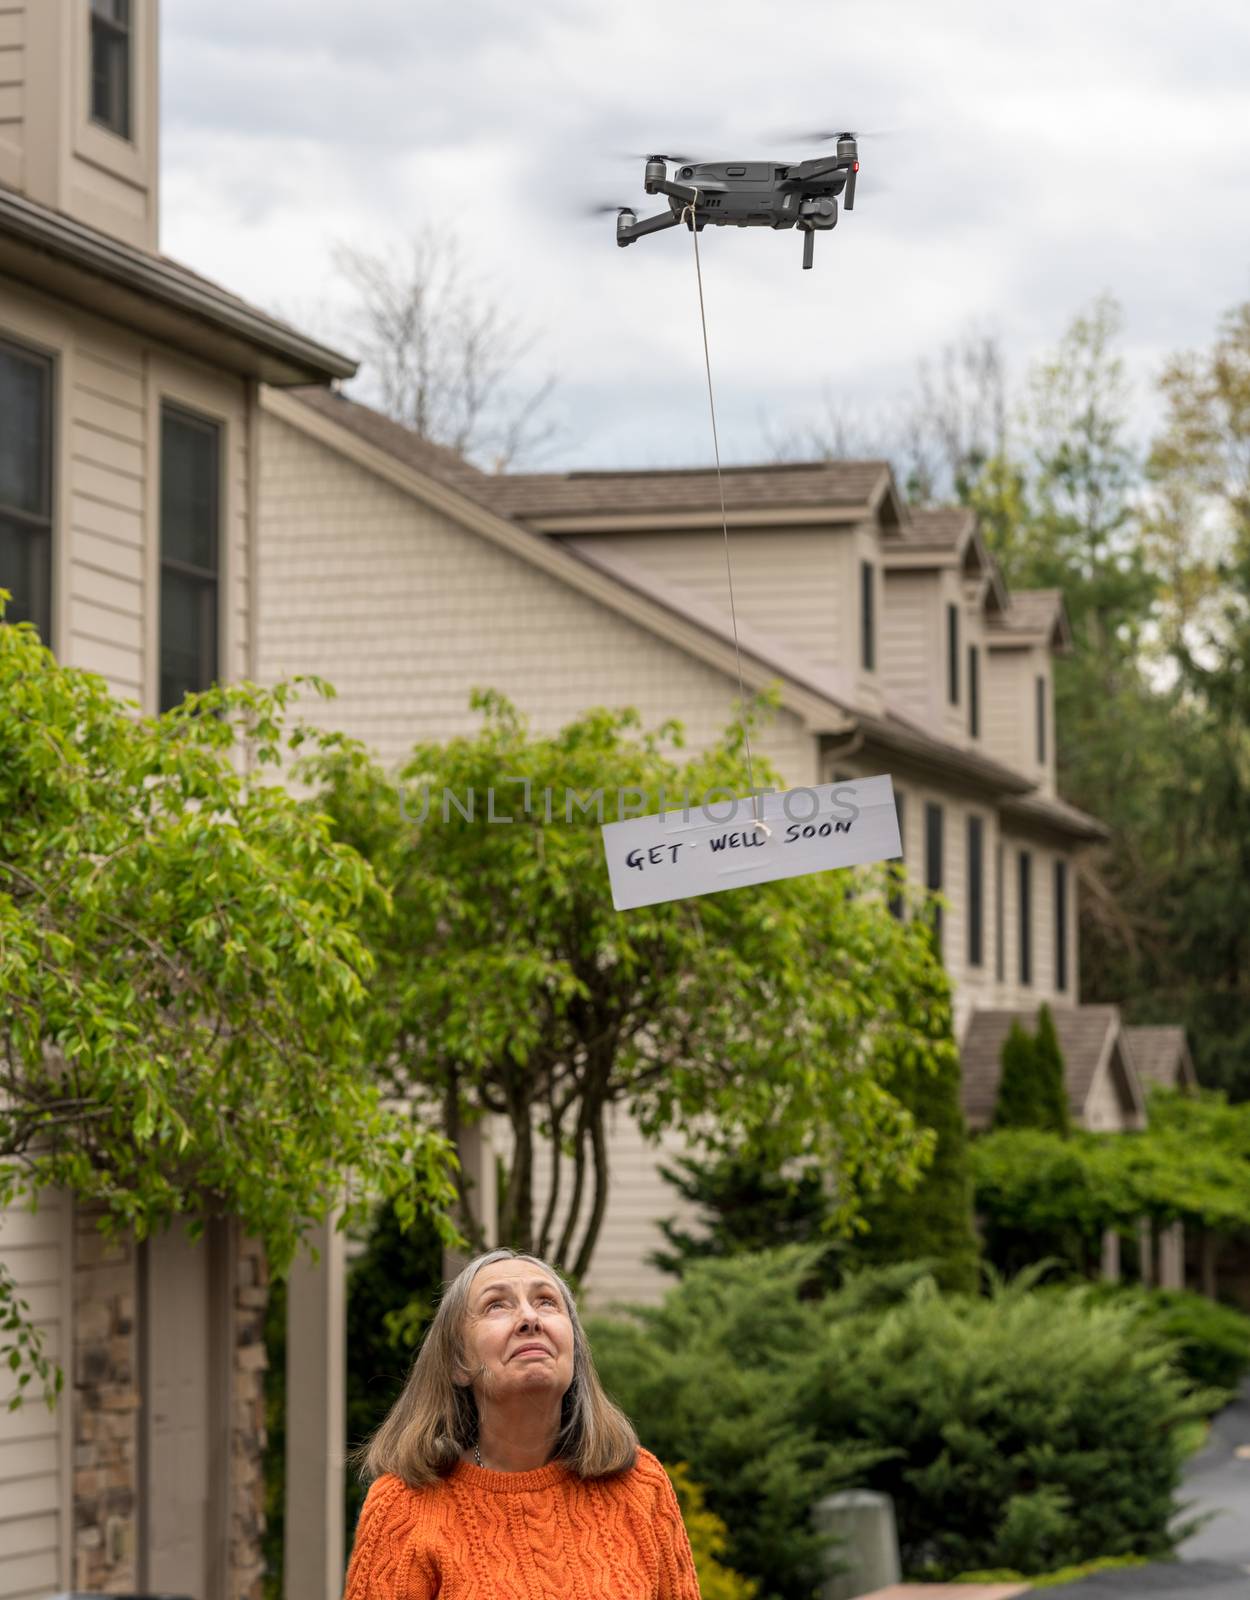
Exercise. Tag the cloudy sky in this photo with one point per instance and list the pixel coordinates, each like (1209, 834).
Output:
(1032, 157)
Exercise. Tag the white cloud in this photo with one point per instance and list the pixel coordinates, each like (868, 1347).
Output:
(1040, 156)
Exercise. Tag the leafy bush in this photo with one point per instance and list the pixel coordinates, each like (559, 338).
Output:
(708, 1540)
(1212, 1341)
(714, 1377)
(1030, 1430)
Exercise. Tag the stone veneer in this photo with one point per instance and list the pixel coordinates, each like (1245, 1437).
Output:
(105, 1397)
(107, 1404)
(247, 1443)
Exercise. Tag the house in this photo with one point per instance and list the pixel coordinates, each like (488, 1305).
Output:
(406, 578)
(129, 423)
(1100, 1067)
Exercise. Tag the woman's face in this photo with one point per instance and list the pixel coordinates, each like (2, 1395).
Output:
(518, 1339)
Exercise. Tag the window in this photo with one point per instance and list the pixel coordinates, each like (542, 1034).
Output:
(933, 862)
(1040, 687)
(1025, 909)
(26, 486)
(976, 892)
(898, 870)
(190, 452)
(867, 616)
(110, 65)
(952, 654)
(1000, 917)
(974, 690)
(1061, 926)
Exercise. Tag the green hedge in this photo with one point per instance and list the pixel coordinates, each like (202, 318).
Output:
(1212, 1341)
(1031, 1430)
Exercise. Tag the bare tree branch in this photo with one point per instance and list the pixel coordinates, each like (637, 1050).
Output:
(442, 357)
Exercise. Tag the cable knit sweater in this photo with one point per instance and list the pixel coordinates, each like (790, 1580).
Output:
(543, 1535)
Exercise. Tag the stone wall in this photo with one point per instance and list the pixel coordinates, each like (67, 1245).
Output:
(247, 1441)
(105, 1400)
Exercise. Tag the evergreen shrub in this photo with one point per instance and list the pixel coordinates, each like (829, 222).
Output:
(1030, 1430)
(1212, 1341)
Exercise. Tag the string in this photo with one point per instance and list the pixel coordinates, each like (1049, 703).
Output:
(724, 519)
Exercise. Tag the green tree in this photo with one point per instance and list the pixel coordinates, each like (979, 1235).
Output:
(1032, 1091)
(746, 1205)
(931, 1220)
(1051, 1074)
(181, 977)
(1200, 471)
(1018, 1104)
(506, 983)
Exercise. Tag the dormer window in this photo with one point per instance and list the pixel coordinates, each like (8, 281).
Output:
(110, 66)
(952, 654)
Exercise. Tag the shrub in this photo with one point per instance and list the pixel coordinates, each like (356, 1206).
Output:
(933, 1220)
(714, 1377)
(1030, 1430)
(1212, 1341)
(1033, 1429)
(708, 1541)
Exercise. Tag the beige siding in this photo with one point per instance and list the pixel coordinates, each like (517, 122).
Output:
(54, 152)
(109, 388)
(34, 1442)
(405, 613)
(104, 413)
(789, 584)
(910, 646)
(12, 89)
(1103, 1111)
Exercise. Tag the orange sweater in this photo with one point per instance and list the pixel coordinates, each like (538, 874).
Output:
(543, 1535)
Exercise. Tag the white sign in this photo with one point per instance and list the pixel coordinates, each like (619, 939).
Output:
(718, 845)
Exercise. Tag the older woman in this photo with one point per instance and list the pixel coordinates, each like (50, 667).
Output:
(504, 1472)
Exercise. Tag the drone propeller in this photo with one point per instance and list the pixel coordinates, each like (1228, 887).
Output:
(673, 161)
(593, 210)
(823, 135)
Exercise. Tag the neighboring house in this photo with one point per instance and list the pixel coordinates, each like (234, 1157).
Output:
(1100, 1067)
(1162, 1057)
(406, 578)
(128, 486)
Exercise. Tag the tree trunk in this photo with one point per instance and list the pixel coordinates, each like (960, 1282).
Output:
(575, 1199)
(599, 1148)
(516, 1221)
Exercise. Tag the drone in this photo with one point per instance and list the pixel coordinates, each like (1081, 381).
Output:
(748, 194)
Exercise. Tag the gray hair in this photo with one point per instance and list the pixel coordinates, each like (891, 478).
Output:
(435, 1419)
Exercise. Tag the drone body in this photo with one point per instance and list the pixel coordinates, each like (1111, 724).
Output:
(749, 194)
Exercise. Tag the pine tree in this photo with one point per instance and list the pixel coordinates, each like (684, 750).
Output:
(1019, 1102)
(1052, 1088)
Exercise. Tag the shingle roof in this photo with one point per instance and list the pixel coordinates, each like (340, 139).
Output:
(433, 459)
(1033, 612)
(1084, 1035)
(937, 527)
(531, 496)
(1052, 812)
(1161, 1055)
